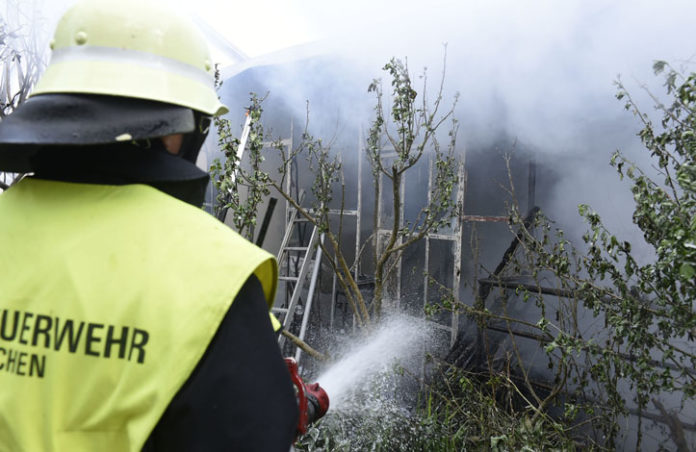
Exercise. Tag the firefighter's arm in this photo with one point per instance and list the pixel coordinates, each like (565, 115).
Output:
(240, 397)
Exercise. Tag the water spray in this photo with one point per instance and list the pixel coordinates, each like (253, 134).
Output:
(396, 341)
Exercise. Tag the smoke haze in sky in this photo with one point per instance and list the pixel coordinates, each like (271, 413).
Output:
(541, 72)
(538, 71)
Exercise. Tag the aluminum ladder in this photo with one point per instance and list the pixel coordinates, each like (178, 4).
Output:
(295, 264)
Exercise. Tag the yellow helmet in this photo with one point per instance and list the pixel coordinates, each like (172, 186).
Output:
(131, 48)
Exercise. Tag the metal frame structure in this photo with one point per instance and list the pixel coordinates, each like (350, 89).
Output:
(672, 420)
(302, 253)
(358, 224)
(456, 238)
(394, 288)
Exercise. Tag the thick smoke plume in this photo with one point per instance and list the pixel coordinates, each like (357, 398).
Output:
(540, 73)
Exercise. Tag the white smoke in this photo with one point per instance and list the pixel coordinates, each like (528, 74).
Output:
(540, 72)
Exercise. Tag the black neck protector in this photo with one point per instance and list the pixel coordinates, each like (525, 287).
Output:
(125, 163)
(74, 137)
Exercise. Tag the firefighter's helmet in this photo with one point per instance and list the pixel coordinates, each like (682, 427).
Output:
(131, 48)
(120, 71)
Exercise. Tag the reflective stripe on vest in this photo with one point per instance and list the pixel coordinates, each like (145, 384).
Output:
(109, 297)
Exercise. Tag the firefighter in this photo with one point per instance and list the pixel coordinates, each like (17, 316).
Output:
(129, 318)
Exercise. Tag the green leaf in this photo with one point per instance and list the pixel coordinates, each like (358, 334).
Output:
(659, 66)
(687, 271)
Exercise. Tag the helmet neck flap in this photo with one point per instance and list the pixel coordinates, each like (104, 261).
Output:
(121, 164)
(105, 139)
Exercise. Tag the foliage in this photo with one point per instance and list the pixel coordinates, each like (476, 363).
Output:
(230, 176)
(645, 304)
(641, 348)
(410, 130)
(397, 140)
(456, 412)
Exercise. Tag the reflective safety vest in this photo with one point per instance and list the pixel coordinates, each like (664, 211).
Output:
(275, 323)
(109, 296)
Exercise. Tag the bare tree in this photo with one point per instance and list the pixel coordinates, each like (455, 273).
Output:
(21, 55)
(22, 60)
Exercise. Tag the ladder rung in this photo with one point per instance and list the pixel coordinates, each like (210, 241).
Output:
(452, 237)
(296, 248)
(439, 325)
(301, 220)
(284, 142)
(280, 310)
(345, 212)
(288, 278)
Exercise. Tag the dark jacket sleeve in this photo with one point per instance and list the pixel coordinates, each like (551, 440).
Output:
(240, 396)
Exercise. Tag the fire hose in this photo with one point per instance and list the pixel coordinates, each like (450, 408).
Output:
(312, 400)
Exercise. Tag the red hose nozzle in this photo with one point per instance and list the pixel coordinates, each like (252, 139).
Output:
(312, 400)
(321, 399)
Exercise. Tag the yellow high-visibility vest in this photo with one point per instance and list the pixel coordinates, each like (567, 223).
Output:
(275, 323)
(109, 296)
